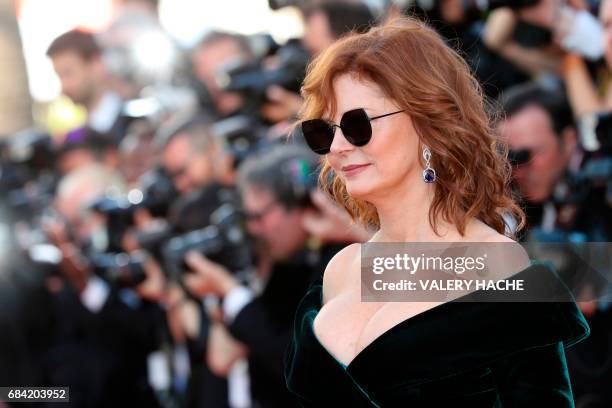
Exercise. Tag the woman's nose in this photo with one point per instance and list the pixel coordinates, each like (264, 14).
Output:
(339, 143)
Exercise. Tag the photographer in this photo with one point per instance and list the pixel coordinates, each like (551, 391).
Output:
(77, 60)
(214, 52)
(275, 189)
(589, 90)
(562, 204)
(543, 139)
(463, 25)
(251, 76)
(324, 23)
(558, 27)
(105, 332)
(540, 129)
(193, 158)
(84, 146)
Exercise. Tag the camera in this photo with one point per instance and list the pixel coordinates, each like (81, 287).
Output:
(121, 270)
(596, 141)
(252, 79)
(225, 241)
(241, 136)
(156, 195)
(27, 176)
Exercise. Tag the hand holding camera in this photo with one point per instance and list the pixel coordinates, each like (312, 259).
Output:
(208, 277)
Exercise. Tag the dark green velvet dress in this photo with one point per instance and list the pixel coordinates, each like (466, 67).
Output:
(457, 354)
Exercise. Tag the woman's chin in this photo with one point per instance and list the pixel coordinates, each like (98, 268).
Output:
(358, 192)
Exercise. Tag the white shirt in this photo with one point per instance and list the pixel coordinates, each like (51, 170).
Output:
(104, 116)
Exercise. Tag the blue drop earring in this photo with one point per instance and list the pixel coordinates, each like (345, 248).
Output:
(429, 174)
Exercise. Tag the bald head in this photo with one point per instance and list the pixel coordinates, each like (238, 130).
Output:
(80, 187)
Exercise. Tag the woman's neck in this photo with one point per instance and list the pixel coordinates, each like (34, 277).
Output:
(404, 216)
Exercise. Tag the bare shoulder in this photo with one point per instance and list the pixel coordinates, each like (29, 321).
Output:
(511, 255)
(337, 275)
(478, 231)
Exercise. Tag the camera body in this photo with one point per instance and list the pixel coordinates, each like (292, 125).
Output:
(252, 79)
(121, 269)
(225, 241)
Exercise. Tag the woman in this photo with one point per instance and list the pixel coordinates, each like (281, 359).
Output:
(408, 149)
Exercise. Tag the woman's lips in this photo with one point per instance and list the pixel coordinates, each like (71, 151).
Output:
(353, 169)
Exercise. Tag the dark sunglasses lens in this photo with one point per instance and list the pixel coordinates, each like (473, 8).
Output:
(356, 127)
(318, 134)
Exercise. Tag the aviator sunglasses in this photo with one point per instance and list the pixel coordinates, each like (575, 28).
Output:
(355, 125)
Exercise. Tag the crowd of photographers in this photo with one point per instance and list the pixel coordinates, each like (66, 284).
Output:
(156, 255)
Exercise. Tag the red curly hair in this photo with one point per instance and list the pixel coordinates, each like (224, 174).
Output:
(415, 68)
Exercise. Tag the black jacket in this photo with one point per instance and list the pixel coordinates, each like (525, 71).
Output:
(265, 324)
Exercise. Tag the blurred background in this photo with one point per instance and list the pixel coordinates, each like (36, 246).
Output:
(160, 219)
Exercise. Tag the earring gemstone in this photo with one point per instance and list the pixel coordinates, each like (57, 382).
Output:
(429, 175)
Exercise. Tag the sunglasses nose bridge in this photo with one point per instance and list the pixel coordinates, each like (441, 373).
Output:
(340, 143)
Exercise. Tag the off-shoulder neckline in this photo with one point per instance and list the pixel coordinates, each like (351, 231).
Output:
(400, 325)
